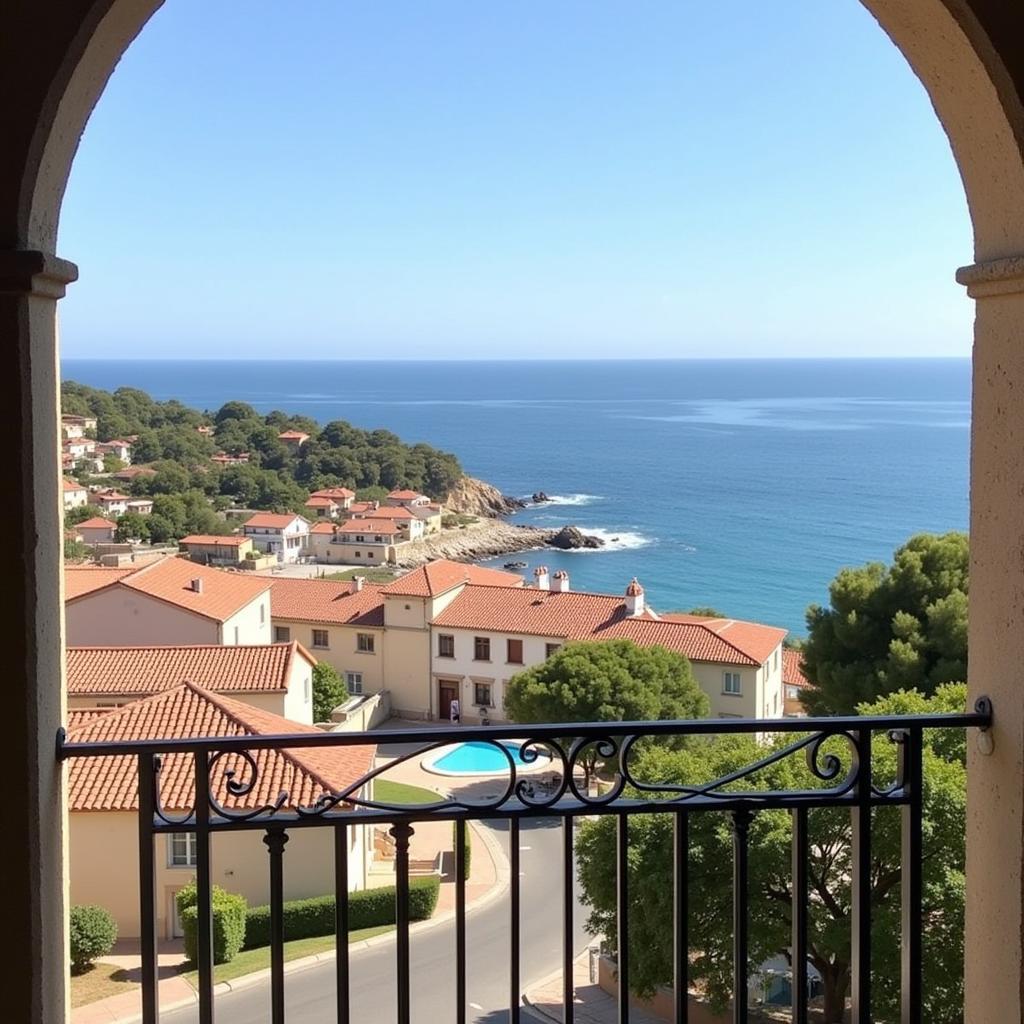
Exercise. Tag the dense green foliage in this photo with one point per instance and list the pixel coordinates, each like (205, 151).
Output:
(229, 910)
(606, 681)
(888, 628)
(276, 478)
(93, 934)
(368, 908)
(329, 690)
(710, 869)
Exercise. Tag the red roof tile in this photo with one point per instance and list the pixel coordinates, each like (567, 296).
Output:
(84, 579)
(188, 711)
(230, 541)
(442, 575)
(405, 495)
(386, 512)
(333, 492)
(792, 668)
(271, 520)
(72, 485)
(96, 523)
(328, 601)
(369, 525)
(256, 668)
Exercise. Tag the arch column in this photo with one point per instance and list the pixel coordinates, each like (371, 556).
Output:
(994, 946)
(34, 876)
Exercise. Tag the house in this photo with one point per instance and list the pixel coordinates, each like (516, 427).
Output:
(224, 459)
(118, 447)
(293, 439)
(114, 503)
(282, 535)
(430, 515)
(407, 499)
(360, 542)
(211, 549)
(130, 473)
(341, 496)
(341, 622)
(76, 426)
(140, 506)
(330, 502)
(205, 429)
(75, 495)
(487, 634)
(410, 526)
(172, 601)
(103, 806)
(274, 677)
(79, 447)
(794, 682)
(96, 531)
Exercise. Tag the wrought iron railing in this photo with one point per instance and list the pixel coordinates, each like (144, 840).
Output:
(230, 766)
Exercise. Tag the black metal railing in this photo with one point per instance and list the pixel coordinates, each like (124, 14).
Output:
(230, 766)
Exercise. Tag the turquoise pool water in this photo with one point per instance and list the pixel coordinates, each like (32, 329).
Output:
(477, 758)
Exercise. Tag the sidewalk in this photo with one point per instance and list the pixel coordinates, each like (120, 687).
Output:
(592, 1004)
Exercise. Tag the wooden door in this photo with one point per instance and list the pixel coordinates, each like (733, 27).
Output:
(447, 692)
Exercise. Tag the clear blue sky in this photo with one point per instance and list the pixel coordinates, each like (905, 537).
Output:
(586, 178)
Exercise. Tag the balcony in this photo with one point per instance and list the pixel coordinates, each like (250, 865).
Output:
(837, 753)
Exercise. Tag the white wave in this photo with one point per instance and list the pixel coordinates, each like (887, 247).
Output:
(614, 540)
(569, 499)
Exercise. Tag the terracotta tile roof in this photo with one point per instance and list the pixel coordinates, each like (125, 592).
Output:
(385, 512)
(223, 593)
(582, 616)
(405, 495)
(792, 668)
(230, 541)
(333, 492)
(130, 472)
(72, 485)
(271, 520)
(256, 668)
(328, 601)
(96, 523)
(292, 435)
(360, 506)
(318, 501)
(323, 527)
(368, 525)
(188, 711)
(84, 579)
(442, 575)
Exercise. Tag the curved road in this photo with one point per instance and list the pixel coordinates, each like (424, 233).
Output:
(309, 993)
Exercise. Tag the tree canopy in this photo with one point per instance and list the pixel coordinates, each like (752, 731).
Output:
(890, 627)
(328, 691)
(710, 869)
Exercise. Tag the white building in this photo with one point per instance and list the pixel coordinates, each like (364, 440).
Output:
(75, 495)
(285, 536)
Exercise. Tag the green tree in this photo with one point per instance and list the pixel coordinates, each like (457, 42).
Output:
(80, 513)
(328, 691)
(111, 463)
(132, 526)
(710, 867)
(606, 681)
(901, 626)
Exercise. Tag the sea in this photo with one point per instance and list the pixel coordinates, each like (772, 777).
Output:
(743, 485)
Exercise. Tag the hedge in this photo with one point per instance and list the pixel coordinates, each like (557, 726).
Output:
(368, 908)
(229, 911)
(93, 934)
(469, 847)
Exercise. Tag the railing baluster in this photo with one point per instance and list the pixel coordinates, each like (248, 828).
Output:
(460, 921)
(204, 890)
(341, 922)
(275, 840)
(912, 859)
(568, 900)
(147, 890)
(401, 832)
(514, 922)
(622, 913)
(681, 913)
(798, 948)
(860, 897)
(740, 938)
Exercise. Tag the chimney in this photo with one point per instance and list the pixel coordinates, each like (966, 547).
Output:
(634, 598)
(358, 582)
(540, 576)
(560, 582)
(375, 505)
(196, 585)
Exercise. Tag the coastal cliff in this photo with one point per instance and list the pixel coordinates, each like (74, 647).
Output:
(472, 497)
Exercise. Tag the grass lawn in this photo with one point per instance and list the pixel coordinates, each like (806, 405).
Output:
(100, 981)
(388, 792)
(371, 573)
(250, 960)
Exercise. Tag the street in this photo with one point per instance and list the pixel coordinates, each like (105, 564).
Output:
(309, 993)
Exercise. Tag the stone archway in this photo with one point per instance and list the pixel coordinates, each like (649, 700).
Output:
(55, 60)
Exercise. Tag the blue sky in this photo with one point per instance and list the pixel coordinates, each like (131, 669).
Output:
(431, 178)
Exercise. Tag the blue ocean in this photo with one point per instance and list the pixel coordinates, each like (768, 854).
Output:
(740, 484)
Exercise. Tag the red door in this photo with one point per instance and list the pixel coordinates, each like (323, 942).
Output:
(447, 692)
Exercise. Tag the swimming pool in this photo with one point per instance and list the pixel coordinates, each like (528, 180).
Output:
(479, 758)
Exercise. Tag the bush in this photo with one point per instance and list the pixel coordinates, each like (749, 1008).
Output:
(229, 911)
(469, 847)
(368, 908)
(93, 934)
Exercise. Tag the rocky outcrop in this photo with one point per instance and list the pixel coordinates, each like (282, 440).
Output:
(570, 538)
(474, 497)
(539, 498)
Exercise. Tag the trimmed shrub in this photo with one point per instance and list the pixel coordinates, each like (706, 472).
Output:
(368, 908)
(93, 934)
(229, 911)
(469, 847)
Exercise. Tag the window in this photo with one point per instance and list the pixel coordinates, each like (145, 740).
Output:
(776, 657)
(361, 538)
(306, 683)
(550, 649)
(482, 694)
(364, 643)
(369, 554)
(359, 554)
(792, 692)
(481, 648)
(320, 638)
(263, 613)
(181, 850)
(282, 634)
(445, 646)
(236, 636)
(354, 680)
(731, 683)
(515, 652)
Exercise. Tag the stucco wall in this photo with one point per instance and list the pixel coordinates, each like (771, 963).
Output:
(252, 623)
(407, 672)
(130, 619)
(341, 653)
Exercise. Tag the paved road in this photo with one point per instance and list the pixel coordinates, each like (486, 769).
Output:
(310, 993)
